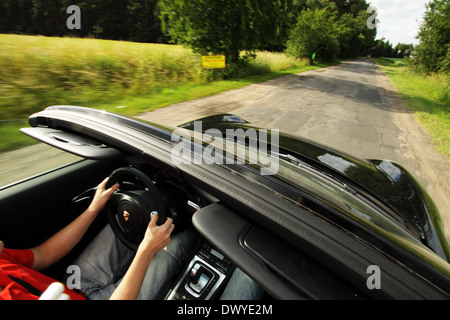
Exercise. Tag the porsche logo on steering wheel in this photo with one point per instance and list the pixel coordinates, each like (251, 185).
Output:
(126, 215)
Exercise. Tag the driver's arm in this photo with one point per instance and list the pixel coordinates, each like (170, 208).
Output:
(156, 238)
(56, 247)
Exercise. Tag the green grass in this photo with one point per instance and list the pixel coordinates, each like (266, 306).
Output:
(427, 95)
(124, 77)
(39, 71)
(11, 137)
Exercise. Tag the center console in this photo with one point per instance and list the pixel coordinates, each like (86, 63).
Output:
(204, 277)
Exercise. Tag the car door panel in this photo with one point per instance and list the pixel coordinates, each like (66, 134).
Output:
(34, 209)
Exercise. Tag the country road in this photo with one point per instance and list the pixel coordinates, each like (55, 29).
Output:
(352, 107)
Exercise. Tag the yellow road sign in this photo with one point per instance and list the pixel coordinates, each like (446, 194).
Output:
(213, 62)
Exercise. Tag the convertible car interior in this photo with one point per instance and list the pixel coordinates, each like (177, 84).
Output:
(295, 242)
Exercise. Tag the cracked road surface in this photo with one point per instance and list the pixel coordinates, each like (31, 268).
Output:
(352, 107)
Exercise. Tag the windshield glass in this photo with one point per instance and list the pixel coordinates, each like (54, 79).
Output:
(32, 160)
(336, 196)
(349, 204)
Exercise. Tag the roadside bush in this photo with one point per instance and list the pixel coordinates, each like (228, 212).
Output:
(315, 31)
(433, 52)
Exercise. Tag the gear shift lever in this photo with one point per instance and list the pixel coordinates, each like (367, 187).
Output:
(200, 278)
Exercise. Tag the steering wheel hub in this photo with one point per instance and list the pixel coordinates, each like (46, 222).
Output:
(132, 217)
(129, 212)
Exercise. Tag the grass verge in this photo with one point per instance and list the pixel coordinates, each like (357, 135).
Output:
(133, 105)
(427, 95)
(123, 77)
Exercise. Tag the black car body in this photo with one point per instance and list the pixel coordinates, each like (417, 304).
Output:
(314, 229)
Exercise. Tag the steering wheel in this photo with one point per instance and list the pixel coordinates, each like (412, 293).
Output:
(130, 209)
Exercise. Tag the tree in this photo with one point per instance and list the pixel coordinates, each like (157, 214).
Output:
(433, 51)
(133, 20)
(285, 13)
(315, 32)
(403, 50)
(354, 37)
(332, 29)
(220, 26)
(142, 17)
(383, 48)
(30, 16)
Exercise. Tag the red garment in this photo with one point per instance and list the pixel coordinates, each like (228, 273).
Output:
(17, 264)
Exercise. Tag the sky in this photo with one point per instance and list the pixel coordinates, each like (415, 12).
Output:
(399, 19)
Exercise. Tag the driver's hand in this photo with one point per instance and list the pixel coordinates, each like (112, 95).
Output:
(157, 237)
(102, 196)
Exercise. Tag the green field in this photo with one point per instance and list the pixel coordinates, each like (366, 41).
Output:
(427, 95)
(36, 72)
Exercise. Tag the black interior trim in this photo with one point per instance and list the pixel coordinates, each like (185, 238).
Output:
(287, 263)
(73, 143)
(48, 207)
(224, 230)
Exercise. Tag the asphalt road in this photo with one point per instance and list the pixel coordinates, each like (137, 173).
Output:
(352, 107)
